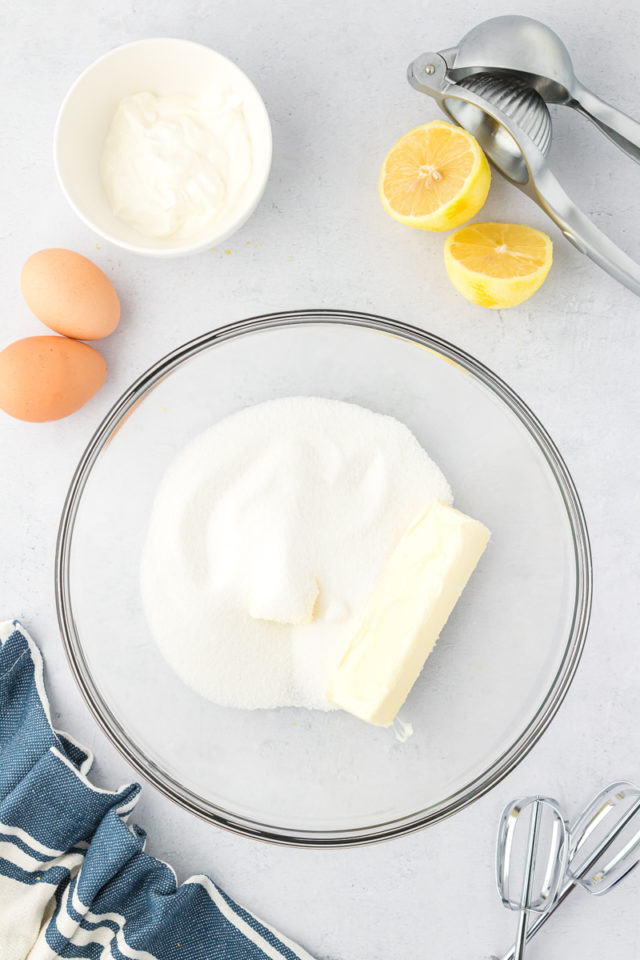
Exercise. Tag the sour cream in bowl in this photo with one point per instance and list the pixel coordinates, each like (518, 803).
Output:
(163, 147)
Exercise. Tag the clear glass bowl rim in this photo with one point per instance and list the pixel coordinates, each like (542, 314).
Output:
(471, 791)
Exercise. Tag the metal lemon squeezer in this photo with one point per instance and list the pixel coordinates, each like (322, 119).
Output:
(496, 84)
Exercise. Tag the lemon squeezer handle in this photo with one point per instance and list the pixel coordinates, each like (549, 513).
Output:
(582, 232)
(620, 128)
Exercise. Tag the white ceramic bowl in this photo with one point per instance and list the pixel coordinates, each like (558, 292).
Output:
(163, 66)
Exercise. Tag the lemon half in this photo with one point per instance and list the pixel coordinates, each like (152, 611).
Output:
(497, 265)
(435, 177)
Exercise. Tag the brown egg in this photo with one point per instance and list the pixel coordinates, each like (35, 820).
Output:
(47, 378)
(70, 294)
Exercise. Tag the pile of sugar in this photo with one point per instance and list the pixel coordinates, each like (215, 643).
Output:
(285, 508)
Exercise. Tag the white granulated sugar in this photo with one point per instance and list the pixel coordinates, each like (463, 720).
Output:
(284, 511)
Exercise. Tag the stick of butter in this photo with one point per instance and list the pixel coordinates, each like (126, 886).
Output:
(418, 589)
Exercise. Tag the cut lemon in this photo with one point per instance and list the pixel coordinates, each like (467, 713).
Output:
(436, 177)
(497, 264)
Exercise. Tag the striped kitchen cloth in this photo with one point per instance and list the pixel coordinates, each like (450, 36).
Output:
(74, 878)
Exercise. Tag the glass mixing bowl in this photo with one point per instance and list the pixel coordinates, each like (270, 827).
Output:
(495, 679)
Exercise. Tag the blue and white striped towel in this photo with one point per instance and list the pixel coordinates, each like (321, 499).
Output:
(74, 878)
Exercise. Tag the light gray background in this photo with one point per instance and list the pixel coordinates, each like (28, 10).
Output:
(332, 76)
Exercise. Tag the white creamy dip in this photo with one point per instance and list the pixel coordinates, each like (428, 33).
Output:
(176, 166)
